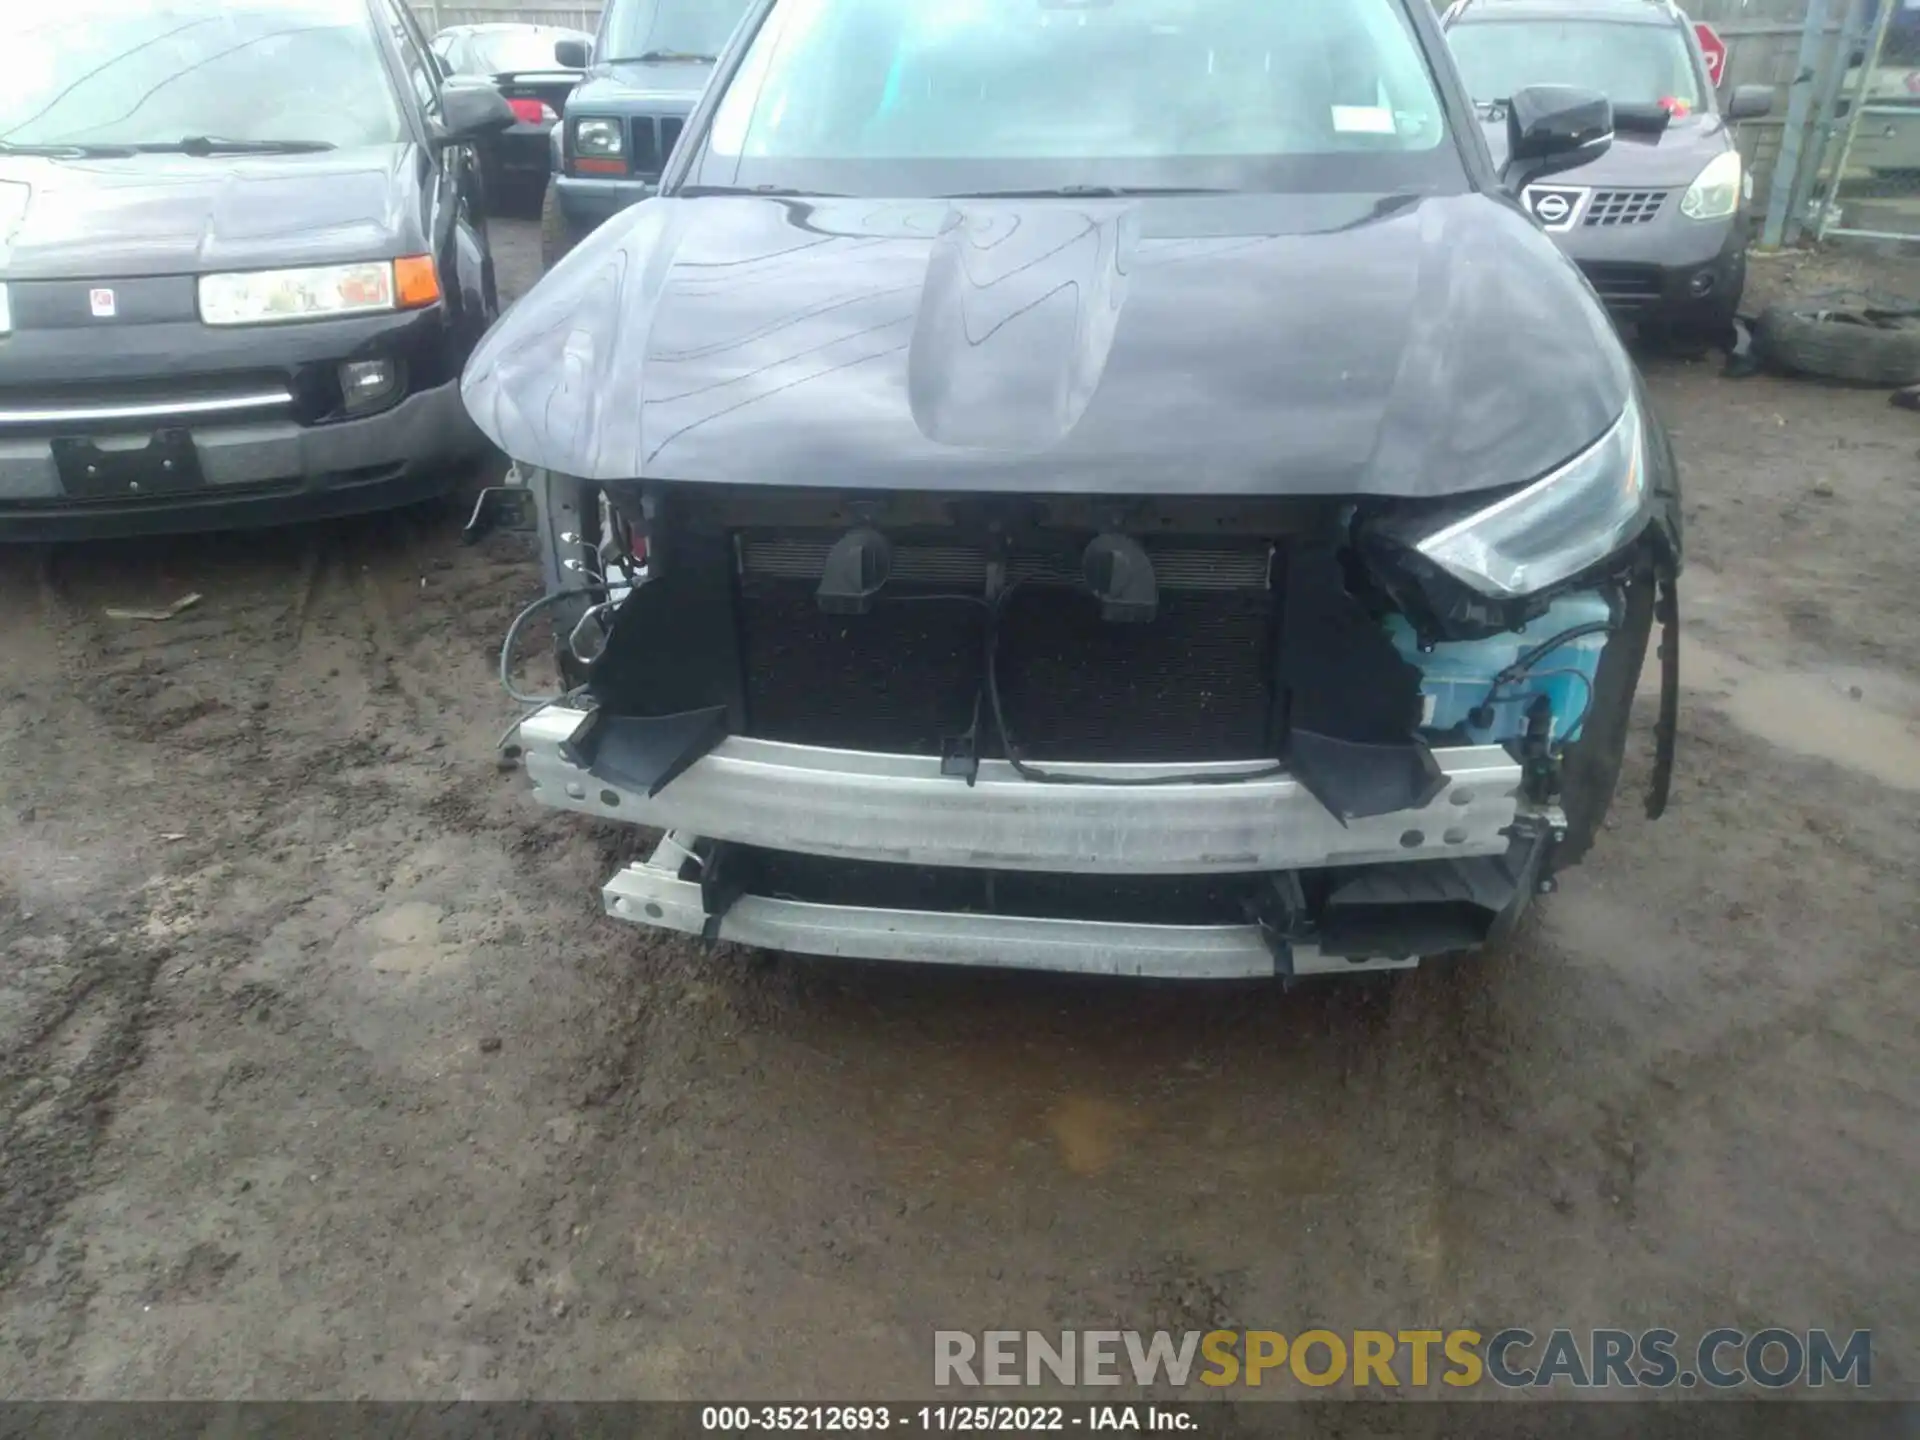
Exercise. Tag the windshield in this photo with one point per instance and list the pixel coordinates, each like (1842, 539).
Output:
(669, 27)
(1630, 64)
(131, 72)
(498, 52)
(851, 95)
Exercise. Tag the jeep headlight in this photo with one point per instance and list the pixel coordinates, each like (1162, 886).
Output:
(1715, 193)
(599, 139)
(1567, 520)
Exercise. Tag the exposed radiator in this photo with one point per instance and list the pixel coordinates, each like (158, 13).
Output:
(1177, 567)
(1194, 684)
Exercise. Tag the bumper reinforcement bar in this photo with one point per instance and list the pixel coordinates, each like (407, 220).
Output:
(654, 894)
(900, 809)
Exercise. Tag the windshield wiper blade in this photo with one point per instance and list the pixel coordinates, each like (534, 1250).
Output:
(214, 145)
(666, 57)
(1086, 192)
(66, 152)
(765, 192)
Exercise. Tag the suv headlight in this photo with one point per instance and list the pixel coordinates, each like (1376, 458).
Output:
(1715, 193)
(261, 297)
(272, 297)
(601, 139)
(1563, 522)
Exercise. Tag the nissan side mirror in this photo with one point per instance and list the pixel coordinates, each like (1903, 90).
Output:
(1551, 128)
(1750, 102)
(473, 112)
(571, 54)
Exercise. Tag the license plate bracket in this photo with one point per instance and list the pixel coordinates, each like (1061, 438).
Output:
(166, 465)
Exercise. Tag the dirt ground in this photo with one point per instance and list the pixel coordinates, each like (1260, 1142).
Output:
(322, 1075)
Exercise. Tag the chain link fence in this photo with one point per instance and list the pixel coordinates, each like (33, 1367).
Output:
(1850, 153)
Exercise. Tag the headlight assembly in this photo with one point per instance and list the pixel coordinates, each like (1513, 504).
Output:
(1715, 192)
(1572, 518)
(268, 297)
(599, 139)
(6, 311)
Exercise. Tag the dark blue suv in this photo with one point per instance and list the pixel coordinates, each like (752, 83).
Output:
(650, 63)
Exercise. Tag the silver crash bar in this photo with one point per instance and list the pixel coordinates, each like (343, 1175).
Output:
(900, 809)
(654, 894)
(144, 410)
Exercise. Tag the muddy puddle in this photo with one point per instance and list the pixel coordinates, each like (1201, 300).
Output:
(1865, 720)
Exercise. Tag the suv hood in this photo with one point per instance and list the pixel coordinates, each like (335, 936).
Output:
(175, 214)
(1674, 157)
(1232, 345)
(667, 87)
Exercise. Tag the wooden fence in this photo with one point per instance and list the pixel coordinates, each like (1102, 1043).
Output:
(437, 14)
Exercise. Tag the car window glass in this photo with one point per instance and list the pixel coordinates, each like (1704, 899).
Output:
(504, 51)
(1631, 64)
(120, 72)
(681, 27)
(412, 41)
(1034, 80)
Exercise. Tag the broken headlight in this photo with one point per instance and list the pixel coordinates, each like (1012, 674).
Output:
(1567, 520)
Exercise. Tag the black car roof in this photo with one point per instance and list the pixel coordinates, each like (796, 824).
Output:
(1623, 12)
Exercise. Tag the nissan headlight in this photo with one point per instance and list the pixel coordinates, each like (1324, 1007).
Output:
(1715, 193)
(599, 139)
(1556, 527)
(269, 297)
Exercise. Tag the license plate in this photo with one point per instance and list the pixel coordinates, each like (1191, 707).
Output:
(166, 465)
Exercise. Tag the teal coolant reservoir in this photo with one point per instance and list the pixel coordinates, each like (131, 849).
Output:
(1457, 678)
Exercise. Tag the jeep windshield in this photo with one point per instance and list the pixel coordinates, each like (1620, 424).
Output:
(1631, 63)
(102, 74)
(662, 30)
(899, 97)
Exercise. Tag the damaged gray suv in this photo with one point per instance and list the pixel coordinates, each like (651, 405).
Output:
(1114, 487)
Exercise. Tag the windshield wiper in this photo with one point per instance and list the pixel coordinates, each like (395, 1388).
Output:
(66, 152)
(666, 57)
(773, 192)
(214, 145)
(1084, 192)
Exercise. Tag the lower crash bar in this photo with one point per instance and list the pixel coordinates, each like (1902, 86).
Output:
(655, 894)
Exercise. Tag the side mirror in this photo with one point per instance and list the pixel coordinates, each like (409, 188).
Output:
(1551, 128)
(1750, 102)
(473, 112)
(571, 54)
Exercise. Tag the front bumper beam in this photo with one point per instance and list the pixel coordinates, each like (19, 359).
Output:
(655, 894)
(899, 809)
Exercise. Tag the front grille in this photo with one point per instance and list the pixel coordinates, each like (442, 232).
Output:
(96, 407)
(1624, 207)
(653, 139)
(1194, 684)
(1624, 287)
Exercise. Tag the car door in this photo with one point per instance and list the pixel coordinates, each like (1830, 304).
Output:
(457, 218)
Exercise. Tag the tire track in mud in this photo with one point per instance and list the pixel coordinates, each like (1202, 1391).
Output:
(108, 693)
(203, 721)
(202, 679)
